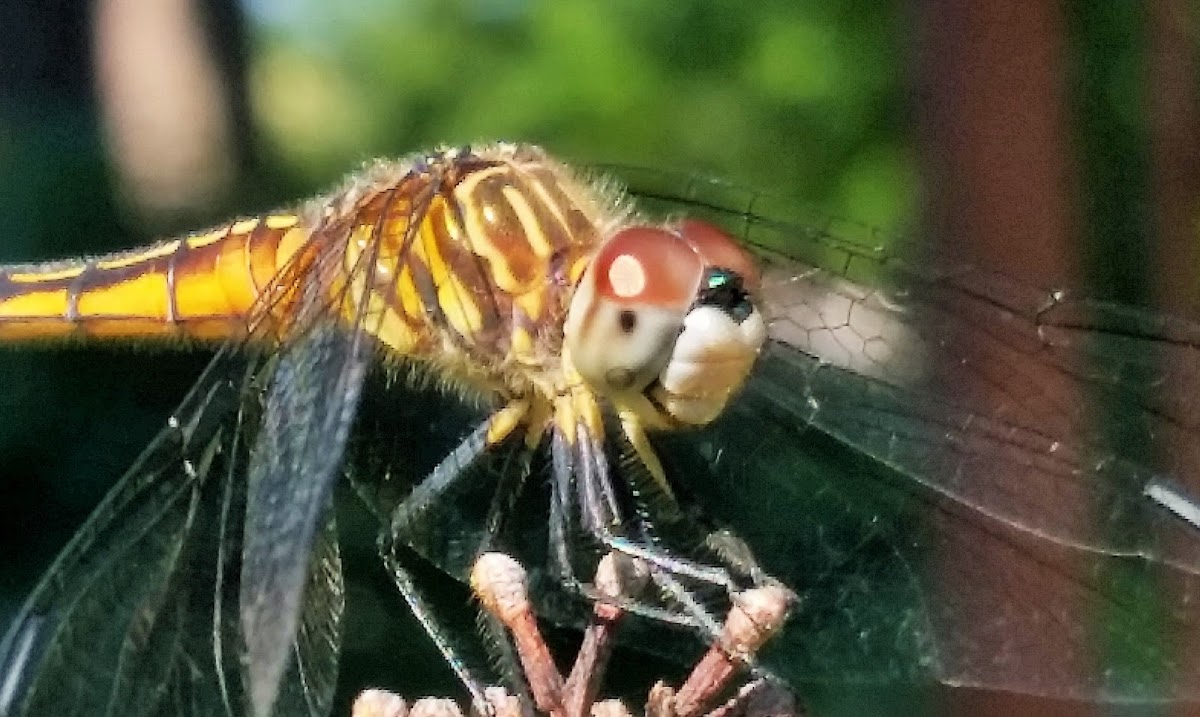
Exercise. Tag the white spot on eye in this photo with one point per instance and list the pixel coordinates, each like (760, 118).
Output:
(627, 276)
(489, 214)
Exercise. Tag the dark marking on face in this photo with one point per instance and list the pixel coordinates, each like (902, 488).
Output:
(627, 320)
(619, 377)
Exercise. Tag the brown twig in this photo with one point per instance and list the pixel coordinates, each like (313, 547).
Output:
(500, 584)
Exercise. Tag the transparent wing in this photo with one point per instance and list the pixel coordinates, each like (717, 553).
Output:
(139, 614)
(217, 548)
(297, 456)
(950, 466)
(309, 408)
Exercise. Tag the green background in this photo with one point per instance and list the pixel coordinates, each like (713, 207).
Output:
(822, 101)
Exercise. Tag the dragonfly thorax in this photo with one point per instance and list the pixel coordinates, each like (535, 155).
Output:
(472, 257)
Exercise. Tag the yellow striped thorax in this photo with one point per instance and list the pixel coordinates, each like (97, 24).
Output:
(471, 257)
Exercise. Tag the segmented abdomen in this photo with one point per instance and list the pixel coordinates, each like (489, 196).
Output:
(201, 287)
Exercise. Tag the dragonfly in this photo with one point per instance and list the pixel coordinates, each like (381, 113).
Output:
(917, 443)
(494, 269)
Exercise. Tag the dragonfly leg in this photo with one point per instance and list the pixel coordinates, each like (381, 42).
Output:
(508, 489)
(499, 583)
(494, 430)
(737, 556)
(420, 610)
(562, 502)
(755, 616)
(632, 427)
(585, 461)
(601, 514)
(731, 550)
(491, 432)
(580, 473)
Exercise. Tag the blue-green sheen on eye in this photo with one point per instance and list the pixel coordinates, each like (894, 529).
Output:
(717, 279)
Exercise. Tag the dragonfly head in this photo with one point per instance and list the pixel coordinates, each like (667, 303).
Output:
(664, 322)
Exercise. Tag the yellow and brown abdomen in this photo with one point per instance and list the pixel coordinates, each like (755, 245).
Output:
(199, 287)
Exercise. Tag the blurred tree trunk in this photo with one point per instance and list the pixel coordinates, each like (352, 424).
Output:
(994, 130)
(1173, 104)
(1060, 142)
(170, 78)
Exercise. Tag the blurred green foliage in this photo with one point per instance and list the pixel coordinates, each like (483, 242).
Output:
(806, 99)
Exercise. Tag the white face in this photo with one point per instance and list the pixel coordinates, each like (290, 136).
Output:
(664, 323)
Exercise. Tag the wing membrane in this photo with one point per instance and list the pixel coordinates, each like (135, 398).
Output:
(220, 559)
(138, 615)
(308, 413)
(958, 462)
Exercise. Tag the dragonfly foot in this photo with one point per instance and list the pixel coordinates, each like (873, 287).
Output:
(499, 583)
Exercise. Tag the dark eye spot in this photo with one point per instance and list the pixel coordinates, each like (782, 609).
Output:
(627, 320)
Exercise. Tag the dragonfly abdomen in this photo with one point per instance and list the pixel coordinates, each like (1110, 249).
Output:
(199, 287)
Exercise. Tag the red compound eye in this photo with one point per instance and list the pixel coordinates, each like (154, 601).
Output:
(648, 265)
(719, 250)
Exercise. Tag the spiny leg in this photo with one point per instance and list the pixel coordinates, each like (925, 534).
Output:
(731, 550)
(580, 472)
(578, 420)
(508, 489)
(728, 547)
(499, 583)
(565, 484)
(583, 461)
(737, 556)
(417, 603)
(495, 429)
(575, 476)
(492, 431)
(756, 615)
(561, 502)
(580, 461)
